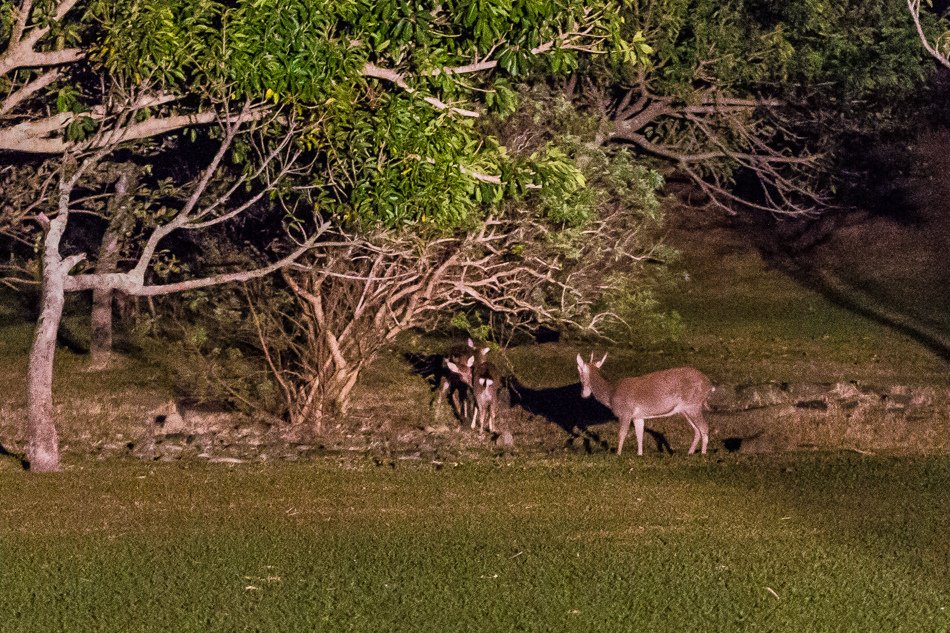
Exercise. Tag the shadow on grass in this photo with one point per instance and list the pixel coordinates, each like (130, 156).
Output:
(19, 459)
(574, 414)
(885, 260)
(431, 367)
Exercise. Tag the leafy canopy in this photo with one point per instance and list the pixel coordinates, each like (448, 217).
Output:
(395, 151)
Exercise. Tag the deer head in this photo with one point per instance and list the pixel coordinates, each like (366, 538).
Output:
(583, 369)
(462, 370)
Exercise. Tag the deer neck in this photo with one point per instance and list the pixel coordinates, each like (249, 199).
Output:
(600, 387)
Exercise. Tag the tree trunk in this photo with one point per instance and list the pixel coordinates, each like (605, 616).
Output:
(43, 450)
(107, 261)
(100, 344)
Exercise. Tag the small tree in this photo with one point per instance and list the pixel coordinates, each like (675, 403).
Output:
(551, 256)
(201, 207)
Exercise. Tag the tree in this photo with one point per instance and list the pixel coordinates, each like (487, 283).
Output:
(201, 207)
(753, 100)
(572, 253)
(361, 111)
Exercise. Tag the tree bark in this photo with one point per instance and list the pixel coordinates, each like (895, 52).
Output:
(100, 345)
(43, 451)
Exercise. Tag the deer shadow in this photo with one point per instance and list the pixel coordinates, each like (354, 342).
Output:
(427, 366)
(432, 369)
(574, 414)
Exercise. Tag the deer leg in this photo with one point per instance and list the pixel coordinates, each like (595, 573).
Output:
(463, 404)
(702, 428)
(624, 429)
(491, 419)
(638, 427)
(440, 394)
(696, 433)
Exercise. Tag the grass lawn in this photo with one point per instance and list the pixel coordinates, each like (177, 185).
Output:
(797, 542)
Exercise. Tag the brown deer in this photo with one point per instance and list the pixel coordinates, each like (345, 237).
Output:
(483, 377)
(637, 398)
(452, 385)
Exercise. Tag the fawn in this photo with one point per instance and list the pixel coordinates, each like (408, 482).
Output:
(483, 377)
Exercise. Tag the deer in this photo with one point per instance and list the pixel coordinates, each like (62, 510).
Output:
(483, 377)
(452, 386)
(680, 390)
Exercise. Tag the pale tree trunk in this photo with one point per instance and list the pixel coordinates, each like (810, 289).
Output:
(100, 345)
(43, 451)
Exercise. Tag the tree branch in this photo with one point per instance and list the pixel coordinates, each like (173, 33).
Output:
(132, 285)
(21, 51)
(24, 92)
(914, 6)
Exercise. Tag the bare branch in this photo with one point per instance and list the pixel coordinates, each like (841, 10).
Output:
(45, 136)
(710, 136)
(940, 56)
(26, 91)
(372, 70)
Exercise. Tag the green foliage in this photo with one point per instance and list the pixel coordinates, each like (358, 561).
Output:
(836, 55)
(472, 325)
(394, 165)
(6, 19)
(386, 158)
(176, 43)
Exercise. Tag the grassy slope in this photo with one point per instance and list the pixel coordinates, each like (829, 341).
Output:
(752, 322)
(803, 543)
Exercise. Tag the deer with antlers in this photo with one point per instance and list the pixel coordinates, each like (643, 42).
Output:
(681, 390)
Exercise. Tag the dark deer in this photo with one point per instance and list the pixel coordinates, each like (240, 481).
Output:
(660, 394)
(483, 377)
(452, 386)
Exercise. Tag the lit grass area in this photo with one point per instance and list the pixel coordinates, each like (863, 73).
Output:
(788, 543)
(747, 322)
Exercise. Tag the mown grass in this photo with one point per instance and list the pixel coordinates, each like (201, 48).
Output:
(600, 543)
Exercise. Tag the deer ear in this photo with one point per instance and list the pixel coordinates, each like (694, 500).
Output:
(453, 367)
(471, 361)
(471, 343)
(601, 363)
(580, 362)
(485, 350)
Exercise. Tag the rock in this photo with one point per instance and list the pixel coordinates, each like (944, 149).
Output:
(175, 417)
(754, 396)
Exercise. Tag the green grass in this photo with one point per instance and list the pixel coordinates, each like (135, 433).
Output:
(783, 543)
